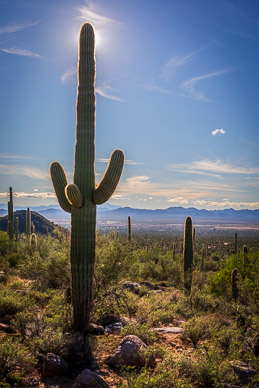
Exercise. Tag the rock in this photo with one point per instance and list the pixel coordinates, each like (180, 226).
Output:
(7, 328)
(244, 372)
(148, 285)
(130, 352)
(95, 329)
(175, 296)
(53, 365)
(156, 291)
(132, 286)
(114, 328)
(6, 319)
(161, 288)
(169, 329)
(89, 379)
(21, 292)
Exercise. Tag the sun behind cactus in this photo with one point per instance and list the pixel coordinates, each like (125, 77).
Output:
(80, 199)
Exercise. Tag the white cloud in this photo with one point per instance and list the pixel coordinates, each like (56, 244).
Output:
(180, 200)
(13, 156)
(22, 52)
(91, 14)
(206, 167)
(127, 161)
(176, 62)
(16, 171)
(151, 86)
(218, 132)
(42, 195)
(227, 204)
(107, 91)
(15, 28)
(189, 86)
(68, 75)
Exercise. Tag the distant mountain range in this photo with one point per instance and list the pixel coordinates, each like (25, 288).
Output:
(173, 215)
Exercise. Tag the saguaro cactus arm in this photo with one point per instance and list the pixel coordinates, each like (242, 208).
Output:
(74, 195)
(111, 178)
(59, 181)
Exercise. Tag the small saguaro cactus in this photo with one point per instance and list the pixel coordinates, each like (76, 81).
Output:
(202, 258)
(174, 248)
(129, 229)
(234, 279)
(28, 222)
(245, 249)
(33, 240)
(235, 242)
(187, 254)
(10, 225)
(17, 228)
(81, 197)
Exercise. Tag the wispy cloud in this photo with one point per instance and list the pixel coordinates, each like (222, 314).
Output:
(127, 161)
(91, 13)
(107, 91)
(180, 200)
(227, 204)
(190, 85)
(170, 68)
(218, 132)
(41, 195)
(68, 75)
(151, 86)
(15, 28)
(207, 167)
(14, 156)
(22, 52)
(17, 171)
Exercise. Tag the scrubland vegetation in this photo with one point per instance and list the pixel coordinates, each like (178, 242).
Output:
(140, 282)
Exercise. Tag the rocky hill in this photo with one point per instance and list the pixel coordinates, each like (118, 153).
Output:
(42, 225)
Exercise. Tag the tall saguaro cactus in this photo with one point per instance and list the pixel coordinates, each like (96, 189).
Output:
(10, 225)
(129, 229)
(28, 223)
(81, 197)
(188, 254)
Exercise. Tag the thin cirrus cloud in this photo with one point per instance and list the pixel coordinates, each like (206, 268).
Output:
(91, 14)
(127, 161)
(151, 86)
(21, 52)
(15, 28)
(219, 132)
(39, 195)
(169, 69)
(68, 75)
(206, 167)
(189, 86)
(16, 171)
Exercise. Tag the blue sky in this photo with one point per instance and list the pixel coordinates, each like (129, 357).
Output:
(177, 89)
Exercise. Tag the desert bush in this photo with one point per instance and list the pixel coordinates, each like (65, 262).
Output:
(196, 329)
(12, 355)
(142, 331)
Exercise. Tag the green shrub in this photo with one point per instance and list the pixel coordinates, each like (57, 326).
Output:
(141, 331)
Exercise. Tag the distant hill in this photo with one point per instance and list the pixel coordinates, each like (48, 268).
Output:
(42, 224)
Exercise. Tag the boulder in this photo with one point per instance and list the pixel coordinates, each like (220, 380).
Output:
(6, 328)
(148, 285)
(95, 329)
(244, 372)
(89, 379)
(54, 365)
(132, 286)
(169, 329)
(130, 352)
(114, 328)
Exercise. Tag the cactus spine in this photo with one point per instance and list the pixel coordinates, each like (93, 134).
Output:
(81, 198)
(234, 279)
(129, 229)
(187, 254)
(10, 225)
(235, 242)
(28, 223)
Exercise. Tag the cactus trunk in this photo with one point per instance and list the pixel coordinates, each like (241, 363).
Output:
(82, 197)
(17, 228)
(10, 225)
(188, 254)
(235, 242)
(129, 229)
(28, 223)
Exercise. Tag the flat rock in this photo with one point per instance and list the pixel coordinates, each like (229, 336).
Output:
(89, 379)
(114, 328)
(148, 285)
(130, 352)
(7, 328)
(169, 329)
(132, 286)
(244, 371)
(95, 329)
(54, 365)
